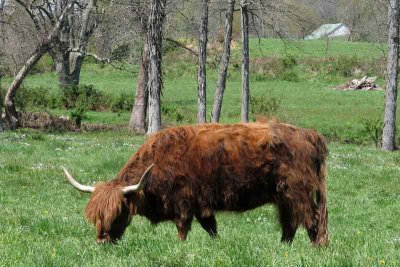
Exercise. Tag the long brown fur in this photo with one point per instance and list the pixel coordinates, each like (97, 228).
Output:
(201, 169)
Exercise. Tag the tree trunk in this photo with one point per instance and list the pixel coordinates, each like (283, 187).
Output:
(201, 71)
(1, 106)
(137, 122)
(9, 100)
(61, 61)
(75, 36)
(43, 47)
(389, 126)
(154, 84)
(75, 66)
(220, 88)
(245, 63)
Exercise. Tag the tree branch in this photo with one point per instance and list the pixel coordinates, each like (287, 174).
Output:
(181, 45)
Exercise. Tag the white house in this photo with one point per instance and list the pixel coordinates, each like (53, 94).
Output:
(329, 30)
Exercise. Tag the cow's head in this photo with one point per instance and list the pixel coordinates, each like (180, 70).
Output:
(108, 208)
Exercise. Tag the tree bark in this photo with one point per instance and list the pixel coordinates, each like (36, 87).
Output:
(137, 122)
(154, 84)
(75, 36)
(201, 70)
(245, 63)
(220, 88)
(1, 106)
(389, 126)
(9, 101)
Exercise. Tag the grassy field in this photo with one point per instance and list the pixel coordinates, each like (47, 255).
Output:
(304, 92)
(42, 221)
(41, 216)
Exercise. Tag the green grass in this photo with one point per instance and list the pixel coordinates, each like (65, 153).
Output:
(41, 216)
(314, 48)
(42, 222)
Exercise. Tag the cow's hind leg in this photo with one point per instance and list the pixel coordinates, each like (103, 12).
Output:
(183, 225)
(289, 225)
(209, 224)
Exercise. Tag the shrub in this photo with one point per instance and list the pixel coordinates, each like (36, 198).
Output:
(44, 65)
(372, 130)
(289, 61)
(345, 65)
(35, 97)
(172, 113)
(121, 53)
(122, 103)
(290, 76)
(84, 97)
(275, 68)
(77, 115)
(265, 105)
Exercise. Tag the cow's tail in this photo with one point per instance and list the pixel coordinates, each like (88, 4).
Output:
(322, 218)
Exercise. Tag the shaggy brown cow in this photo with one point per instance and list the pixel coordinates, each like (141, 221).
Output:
(194, 171)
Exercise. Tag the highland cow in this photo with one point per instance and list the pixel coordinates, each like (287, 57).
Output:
(194, 171)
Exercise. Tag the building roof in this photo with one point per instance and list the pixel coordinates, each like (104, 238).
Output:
(330, 30)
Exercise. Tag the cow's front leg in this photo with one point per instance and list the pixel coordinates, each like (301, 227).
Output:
(183, 225)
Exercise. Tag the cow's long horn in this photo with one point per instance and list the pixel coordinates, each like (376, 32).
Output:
(74, 183)
(140, 185)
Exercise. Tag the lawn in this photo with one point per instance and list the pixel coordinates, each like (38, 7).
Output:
(42, 222)
(41, 215)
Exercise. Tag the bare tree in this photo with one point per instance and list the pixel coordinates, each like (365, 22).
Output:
(154, 84)
(201, 71)
(137, 122)
(69, 51)
(389, 126)
(220, 88)
(2, 39)
(245, 64)
(43, 47)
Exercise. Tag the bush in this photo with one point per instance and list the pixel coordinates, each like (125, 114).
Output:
(290, 76)
(172, 113)
(264, 105)
(35, 97)
(77, 115)
(275, 68)
(289, 62)
(122, 103)
(345, 66)
(84, 97)
(121, 53)
(44, 65)
(372, 130)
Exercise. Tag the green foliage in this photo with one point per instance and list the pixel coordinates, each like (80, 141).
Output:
(290, 76)
(35, 97)
(121, 53)
(45, 64)
(172, 113)
(345, 65)
(122, 103)
(285, 68)
(78, 115)
(289, 61)
(85, 97)
(373, 130)
(264, 105)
